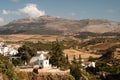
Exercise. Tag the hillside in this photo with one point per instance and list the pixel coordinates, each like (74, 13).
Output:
(58, 26)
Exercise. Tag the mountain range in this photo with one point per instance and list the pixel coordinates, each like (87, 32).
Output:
(47, 25)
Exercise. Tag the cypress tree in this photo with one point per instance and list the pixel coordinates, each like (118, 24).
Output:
(57, 57)
(75, 71)
(80, 59)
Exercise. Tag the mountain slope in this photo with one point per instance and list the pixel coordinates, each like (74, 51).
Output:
(58, 26)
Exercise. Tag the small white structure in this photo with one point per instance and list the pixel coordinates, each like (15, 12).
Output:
(13, 52)
(89, 64)
(4, 50)
(92, 64)
(8, 49)
(86, 64)
(41, 60)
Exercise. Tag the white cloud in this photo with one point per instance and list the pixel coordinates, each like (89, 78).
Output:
(5, 12)
(32, 11)
(1, 20)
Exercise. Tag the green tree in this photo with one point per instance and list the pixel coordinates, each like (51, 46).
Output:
(6, 68)
(74, 59)
(91, 59)
(75, 71)
(16, 61)
(26, 52)
(67, 59)
(79, 59)
(57, 57)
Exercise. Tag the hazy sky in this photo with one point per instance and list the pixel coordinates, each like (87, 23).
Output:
(71, 9)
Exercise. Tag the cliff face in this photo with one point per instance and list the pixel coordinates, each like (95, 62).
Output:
(52, 25)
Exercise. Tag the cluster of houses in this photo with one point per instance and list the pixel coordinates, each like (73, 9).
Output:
(12, 49)
(8, 49)
(43, 62)
(40, 59)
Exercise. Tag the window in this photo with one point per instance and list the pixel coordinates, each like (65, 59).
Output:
(41, 63)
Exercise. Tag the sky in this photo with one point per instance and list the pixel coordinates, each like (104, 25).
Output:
(71, 9)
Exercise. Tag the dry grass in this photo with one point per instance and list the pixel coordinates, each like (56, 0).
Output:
(72, 52)
(34, 38)
(102, 46)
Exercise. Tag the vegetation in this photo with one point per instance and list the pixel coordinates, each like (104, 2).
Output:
(6, 68)
(16, 61)
(100, 40)
(108, 53)
(103, 68)
(57, 57)
(26, 52)
(70, 43)
(75, 71)
(39, 45)
(84, 35)
(91, 59)
(77, 61)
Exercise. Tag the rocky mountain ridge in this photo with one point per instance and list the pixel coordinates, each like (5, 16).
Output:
(58, 26)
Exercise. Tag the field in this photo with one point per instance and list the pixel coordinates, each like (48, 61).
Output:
(84, 55)
(36, 38)
(33, 38)
(102, 46)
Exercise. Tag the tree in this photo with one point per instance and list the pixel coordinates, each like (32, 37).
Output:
(26, 52)
(6, 68)
(67, 59)
(91, 59)
(80, 59)
(75, 71)
(74, 59)
(16, 61)
(57, 57)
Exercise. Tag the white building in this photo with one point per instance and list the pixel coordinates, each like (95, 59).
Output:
(4, 50)
(41, 60)
(86, 64)
(92, 64)
(8, 49)
(13, 52)
(89, 64)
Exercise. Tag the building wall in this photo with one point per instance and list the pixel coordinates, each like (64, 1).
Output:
(46, 63)
(43, 63)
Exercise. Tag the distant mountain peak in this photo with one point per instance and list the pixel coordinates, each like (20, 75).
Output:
(53, 25)
(31, 20)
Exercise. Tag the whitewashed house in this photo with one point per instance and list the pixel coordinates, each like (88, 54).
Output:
(8, 49)
(4, 50)
(86, 64)
(13, 52)
(92, 64)
(40, 59)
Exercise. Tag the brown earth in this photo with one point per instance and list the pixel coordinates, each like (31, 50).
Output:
(103, 46)
(34, 38)
(84, 55)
